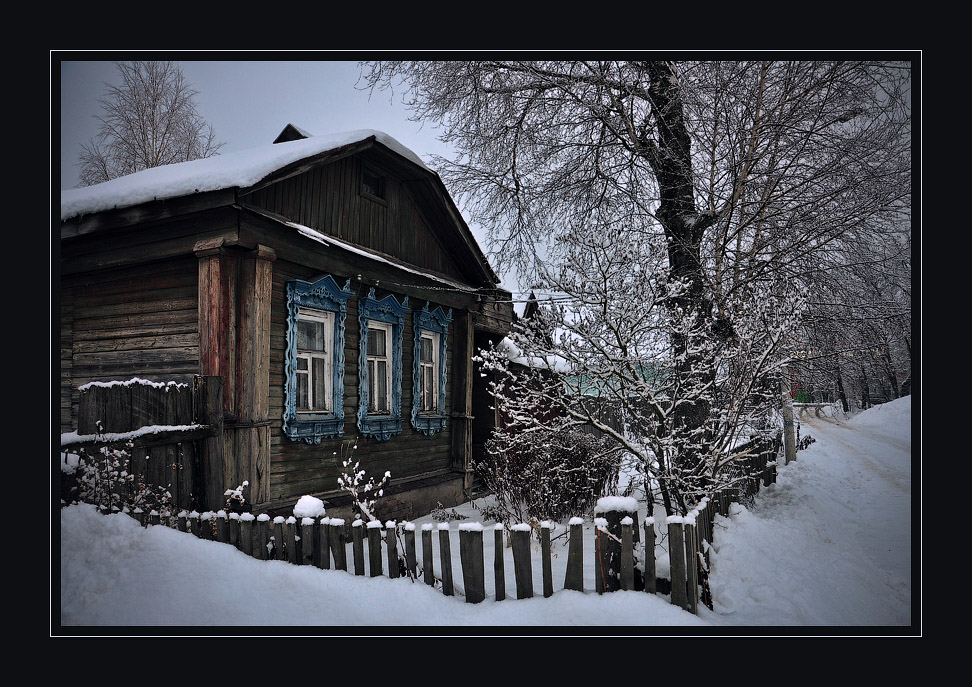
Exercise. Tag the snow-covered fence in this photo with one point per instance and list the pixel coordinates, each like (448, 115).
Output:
(754, 465)
(171, 433)
(322, 542)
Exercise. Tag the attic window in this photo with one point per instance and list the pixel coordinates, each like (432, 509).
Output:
(372, 184)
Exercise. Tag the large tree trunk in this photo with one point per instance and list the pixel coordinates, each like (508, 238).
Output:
(693, 366)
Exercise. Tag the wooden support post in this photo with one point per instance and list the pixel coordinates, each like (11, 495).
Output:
(522, 562)
(411, 560)
(183, 521)
(445, 559)
(651, 581)
(262, 542)
(339, 544)
(308, 541)
(574, 578)
(374, 547)
(208, 404)
(357, 546)
(323, 558)
(499, 568)
(391, 545)
(691, 568)
(427, 560)
(545, 559)
(471, 558)
(627, 555)
(676, 555)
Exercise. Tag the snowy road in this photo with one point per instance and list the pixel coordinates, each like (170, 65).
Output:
(829, 544)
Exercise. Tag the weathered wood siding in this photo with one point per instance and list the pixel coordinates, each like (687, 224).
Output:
(299, 468)
(328, 199)
(128, 322)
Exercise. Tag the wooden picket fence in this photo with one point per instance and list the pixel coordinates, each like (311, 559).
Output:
(287, 539)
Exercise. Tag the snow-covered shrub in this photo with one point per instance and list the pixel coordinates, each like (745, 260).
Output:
(440, 514)
(549, 475)
(364, 494)
(105, 479)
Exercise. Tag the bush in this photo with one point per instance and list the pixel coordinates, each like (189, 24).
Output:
(549, 475)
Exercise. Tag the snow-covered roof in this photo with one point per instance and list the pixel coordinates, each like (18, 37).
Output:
(240, 169)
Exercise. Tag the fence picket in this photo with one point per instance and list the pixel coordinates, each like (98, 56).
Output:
(471, 558)
(522, 563)
(574, 579)
(499, 567)
(391, 544)
(676, 554)
(357, 546)
(427, 569)
(445, 559)
(545, 559)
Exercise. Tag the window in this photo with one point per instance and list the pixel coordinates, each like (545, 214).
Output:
(431, 328)
(381, 323)
(315, 343)
(372, 184)
(429, 372)
(379, 368)
(314, 359)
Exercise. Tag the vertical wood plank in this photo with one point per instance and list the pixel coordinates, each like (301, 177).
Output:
(339, 544)
(691, 569)
(427, 559)
(627, 555)
(374, 548)
(445, 559)
(499, 567)
(574, 578)
(411, 561)
(323, 548)
(246, 533)
(308, 541)
(471, 558)
(391, 546)
(357, 546)
(676, 555)
(279, 554)
(545, 562)
(522, 561)
(262, 540)
(651, 584)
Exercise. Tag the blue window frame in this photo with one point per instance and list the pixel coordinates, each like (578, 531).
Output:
(381, 323)
(430, 330)
(314, 362)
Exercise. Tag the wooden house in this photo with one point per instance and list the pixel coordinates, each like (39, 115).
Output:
(329, 281)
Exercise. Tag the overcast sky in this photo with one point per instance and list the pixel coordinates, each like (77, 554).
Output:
(247, 103)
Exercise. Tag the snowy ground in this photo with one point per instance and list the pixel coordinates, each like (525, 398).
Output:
(828, 549)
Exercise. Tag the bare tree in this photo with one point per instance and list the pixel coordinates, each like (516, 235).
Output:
(149, 120)
(675, 208)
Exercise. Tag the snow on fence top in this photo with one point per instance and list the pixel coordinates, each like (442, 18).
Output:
(133, 381)
(626, 504)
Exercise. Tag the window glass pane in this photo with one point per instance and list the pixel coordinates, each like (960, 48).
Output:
(376, 342)
(302, 364)
(428, 388)
(426, 349)
(310, 335)
(320, 384)
(382, 386)
(302, 398)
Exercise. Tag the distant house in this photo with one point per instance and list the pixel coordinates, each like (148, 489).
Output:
(329, 281)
